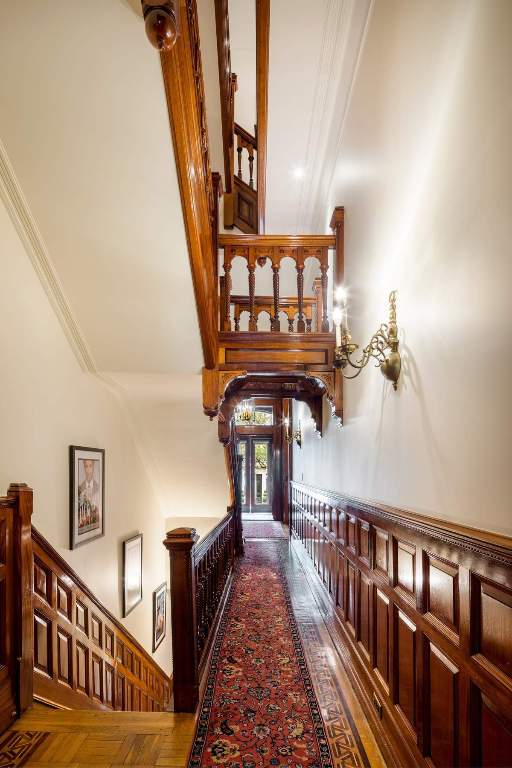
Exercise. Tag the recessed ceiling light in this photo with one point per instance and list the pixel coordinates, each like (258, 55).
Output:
(299, 173)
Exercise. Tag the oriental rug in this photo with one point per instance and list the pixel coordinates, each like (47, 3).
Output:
(259, 706)
(263, 530)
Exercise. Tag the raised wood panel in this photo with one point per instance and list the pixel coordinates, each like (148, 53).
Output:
(381, 636)
(83, 657)
(495, 738)
(439, 612)
(442, 587)
(443, 709)
(364, 602)
(381, 539)
(495, 625)
(405, 565)
(405, 666)
(364, 542)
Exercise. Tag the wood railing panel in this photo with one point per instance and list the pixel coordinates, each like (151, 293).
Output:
(83, 657)
(200, 581)
(426, 609)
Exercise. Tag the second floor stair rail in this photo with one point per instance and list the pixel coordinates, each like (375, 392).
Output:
(256, 250)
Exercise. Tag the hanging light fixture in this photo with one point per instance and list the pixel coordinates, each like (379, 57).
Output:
(244, 412)
(386, 338)
(162, 22)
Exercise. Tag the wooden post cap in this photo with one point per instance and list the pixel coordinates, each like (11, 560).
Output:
(161, 23)
(338, 216)
(181, 538)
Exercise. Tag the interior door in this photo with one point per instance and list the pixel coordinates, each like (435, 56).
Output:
(257, 477)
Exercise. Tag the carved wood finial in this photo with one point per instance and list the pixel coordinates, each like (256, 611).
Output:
(161, 23)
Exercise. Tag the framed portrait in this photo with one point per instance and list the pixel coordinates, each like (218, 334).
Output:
(159, 614)
(132, 573)
(86, 495)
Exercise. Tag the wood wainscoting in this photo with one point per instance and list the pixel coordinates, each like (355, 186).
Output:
(425, 608)
(83, 657)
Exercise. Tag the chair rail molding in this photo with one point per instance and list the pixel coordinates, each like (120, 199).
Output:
(37, 251)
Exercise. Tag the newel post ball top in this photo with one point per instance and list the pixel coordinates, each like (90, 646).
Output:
(161, 20)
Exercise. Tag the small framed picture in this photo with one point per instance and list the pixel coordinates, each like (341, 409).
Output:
(132, 573)
(159, 614)
(86, 494)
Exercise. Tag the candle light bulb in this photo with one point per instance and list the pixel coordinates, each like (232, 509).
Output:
(340, 295)
(287, 422)
(337, 316)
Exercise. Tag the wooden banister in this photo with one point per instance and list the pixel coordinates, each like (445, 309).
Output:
(200, 581)
(184, 88)
(310, 242)
(262, 67)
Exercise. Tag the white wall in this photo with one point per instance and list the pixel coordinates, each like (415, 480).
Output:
(425, 173)
(46, 404)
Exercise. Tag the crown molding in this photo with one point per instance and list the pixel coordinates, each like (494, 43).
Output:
(26, 226)
(344, 35)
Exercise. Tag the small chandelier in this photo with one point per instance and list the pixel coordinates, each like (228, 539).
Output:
(297, 434)
(244, 412)
(386, 338)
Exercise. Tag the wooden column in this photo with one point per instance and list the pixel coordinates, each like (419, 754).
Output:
(253, 323)
(301, 325)
(227, 292)
(262, 63)
(325, 321)
(338, 226)
(275, 326)
(180, 543)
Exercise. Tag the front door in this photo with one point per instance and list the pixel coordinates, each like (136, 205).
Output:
(258, 458)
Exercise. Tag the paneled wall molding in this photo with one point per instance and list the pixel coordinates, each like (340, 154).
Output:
(425, 609)
(32, 239)
(84, 658)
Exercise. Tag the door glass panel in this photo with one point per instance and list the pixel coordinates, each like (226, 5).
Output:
(242, 452)
(260, 469)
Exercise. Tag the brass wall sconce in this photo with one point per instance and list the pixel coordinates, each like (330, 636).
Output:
(297, 434)
(244, 412)
(383, 345)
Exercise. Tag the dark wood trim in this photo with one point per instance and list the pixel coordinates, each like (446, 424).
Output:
(425, 609)
(184, 89)
(338, 227)
(246, 136)
(262, 66)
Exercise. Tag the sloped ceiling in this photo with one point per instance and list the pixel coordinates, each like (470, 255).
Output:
(84, 126)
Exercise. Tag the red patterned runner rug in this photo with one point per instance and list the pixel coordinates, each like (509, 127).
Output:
(259, 706)
(263, 530)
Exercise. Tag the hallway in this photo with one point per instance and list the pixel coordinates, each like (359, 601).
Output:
(259, 708)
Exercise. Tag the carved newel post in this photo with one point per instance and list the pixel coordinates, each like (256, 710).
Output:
(23, 568)
(180, 542)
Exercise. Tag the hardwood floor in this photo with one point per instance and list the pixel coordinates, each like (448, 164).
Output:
(78, 739)
(85, 739)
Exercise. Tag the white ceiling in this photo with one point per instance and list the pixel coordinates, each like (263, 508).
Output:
(84, 125)
(314, 50)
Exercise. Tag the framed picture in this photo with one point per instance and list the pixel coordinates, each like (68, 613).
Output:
(132, 573)
(159, 614)
(86, 495)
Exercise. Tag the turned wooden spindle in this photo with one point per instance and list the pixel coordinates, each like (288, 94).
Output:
(301, 325)
(227, 301)
(325, 321)
(290, 325)
(253, 323)
(250, 149)
(308, 324)
(239, 150)
(275, 325)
